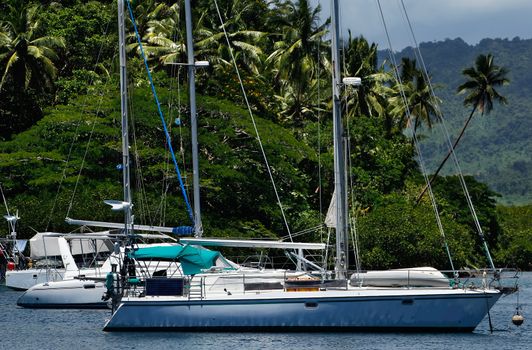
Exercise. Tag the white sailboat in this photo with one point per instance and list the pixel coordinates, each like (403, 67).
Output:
(272, 300)
(53, 258)
(81, 288)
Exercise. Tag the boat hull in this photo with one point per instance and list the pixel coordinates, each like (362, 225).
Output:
(65, 294)
(25, 279)
(344, 311)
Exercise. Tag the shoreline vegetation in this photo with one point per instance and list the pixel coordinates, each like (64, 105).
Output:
(60, 140)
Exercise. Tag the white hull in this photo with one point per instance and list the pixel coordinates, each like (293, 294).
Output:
(77, 293)
(65, 294)
(25, 279)
(353, 309)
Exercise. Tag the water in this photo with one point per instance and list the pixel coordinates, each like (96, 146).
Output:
(81, 329)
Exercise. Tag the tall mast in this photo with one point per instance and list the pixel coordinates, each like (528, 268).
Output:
(341, 261)
(198, 229)
(124, 110)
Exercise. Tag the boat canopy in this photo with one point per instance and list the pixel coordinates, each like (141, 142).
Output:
(46, 244)
(193, 259)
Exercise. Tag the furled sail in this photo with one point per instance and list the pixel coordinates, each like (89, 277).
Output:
(330, 219)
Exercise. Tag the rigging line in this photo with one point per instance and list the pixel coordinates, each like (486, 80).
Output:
(254, 123)
(83, 111)
(451, 148)
(422, 163)
(165, 183)
(416, 142)
(4, 198)
(143, 211)
(10, 224)
(352, 228)
(98, 109)
(417, 52)
(302, 232)
(167, 134)
(414, 136)
(320, 184)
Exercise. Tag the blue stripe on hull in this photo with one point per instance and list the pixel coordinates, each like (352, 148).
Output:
(293, 329)
(102, 305)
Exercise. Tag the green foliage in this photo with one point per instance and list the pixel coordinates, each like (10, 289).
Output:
(380, 164)
(89, 30)
(66, 163)
(398, 234)
(454, 201)
(28, 65)
(52, 153)
(515, 244)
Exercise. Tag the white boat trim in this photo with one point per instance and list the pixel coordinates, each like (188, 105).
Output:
(240, 243)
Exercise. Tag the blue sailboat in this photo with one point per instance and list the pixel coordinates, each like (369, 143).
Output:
(222, 298)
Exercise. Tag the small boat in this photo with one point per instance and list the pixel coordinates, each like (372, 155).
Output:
(412, 277)
(87, 290)
(72, 293)
(53, 258)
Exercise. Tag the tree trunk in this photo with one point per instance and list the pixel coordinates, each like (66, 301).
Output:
(432, 179)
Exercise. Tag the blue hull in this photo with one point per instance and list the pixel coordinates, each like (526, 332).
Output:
(440, 312)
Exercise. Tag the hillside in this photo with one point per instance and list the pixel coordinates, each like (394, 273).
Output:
(60, 140)
(496, 148)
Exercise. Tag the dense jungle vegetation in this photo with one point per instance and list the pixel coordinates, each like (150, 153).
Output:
(60, 141)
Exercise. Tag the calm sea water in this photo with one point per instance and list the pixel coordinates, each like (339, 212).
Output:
(82, 329)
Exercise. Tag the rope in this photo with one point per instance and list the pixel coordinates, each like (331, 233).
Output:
(168, 139)
(445, 131)
(414, 136)
(253, 121)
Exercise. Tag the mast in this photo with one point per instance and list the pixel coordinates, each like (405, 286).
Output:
(198, 228)
(128, 220)
(341, 260)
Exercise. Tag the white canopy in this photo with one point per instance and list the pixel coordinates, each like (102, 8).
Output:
(45, 244)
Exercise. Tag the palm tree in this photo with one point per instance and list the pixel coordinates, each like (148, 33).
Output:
(160, 34)
(480, 86)
(422, 105)
(212, 44)
(295, 56)
(25, 56)
(372, 95)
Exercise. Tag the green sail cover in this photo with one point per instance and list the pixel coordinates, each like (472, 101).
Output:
(193, 259)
